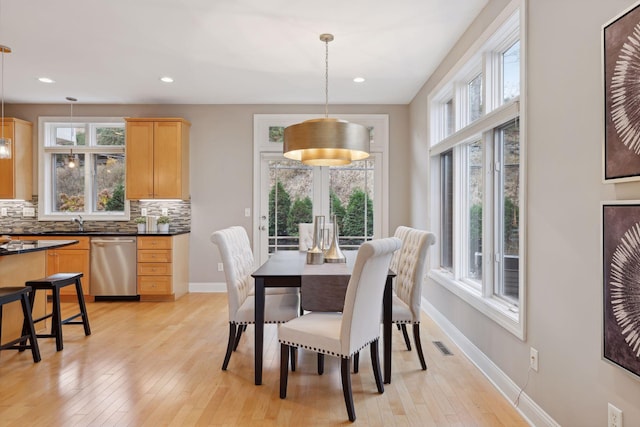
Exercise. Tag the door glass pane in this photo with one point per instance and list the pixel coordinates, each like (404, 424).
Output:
(446, 210)
(475, 194)
(108, 182)
(509, 146)
(351, 200)
(290, 194)
(475, 98)
(68, 183)
(511, 72)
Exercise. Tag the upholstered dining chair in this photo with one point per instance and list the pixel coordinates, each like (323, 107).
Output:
(237, 260)
(343, 334)
(409, 263)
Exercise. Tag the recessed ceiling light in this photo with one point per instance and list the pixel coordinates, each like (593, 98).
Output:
(166, 79)
(358, 79)
(46, 80)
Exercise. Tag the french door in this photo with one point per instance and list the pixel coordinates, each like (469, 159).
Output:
(287, 193)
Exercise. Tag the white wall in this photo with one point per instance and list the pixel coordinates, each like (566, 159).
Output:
(564, 287)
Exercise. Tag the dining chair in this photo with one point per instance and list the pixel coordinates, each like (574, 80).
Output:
(238, 263)
(409, 263)
(343, 334)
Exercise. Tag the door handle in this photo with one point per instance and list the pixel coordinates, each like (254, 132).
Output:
(262, 228)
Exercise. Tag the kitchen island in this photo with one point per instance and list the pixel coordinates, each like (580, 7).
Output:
(22, 260)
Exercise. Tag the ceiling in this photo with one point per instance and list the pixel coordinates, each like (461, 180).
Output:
(226, 51)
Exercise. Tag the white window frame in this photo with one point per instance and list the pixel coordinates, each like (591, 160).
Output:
(484, 56)
(46, 131)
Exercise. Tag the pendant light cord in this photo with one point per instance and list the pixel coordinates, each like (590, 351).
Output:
(2, 91)
(326, 79)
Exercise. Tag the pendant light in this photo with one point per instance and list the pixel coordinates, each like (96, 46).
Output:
(326, 141)
(72, 160)
(5, 142)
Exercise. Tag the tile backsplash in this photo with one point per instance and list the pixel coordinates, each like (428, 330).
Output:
(178, 210)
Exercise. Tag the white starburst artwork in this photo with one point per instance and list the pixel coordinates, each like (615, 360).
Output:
(624, 287)
(625, 92)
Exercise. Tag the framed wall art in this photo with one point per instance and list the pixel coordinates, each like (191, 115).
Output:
(621, 67)
(621, 284)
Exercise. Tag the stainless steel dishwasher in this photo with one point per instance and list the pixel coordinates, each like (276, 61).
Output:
(113, 267)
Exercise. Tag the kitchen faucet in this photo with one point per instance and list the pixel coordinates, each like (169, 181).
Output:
(80, 222)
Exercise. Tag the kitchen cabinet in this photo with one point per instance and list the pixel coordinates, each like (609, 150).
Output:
(157, 158)
(68, 259)
(16, 173)
(163, 267)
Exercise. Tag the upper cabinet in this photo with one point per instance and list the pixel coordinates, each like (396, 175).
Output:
(157, 158)
(16, 173)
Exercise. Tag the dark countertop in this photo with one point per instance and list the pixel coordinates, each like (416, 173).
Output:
(15, 247)
(98, 233)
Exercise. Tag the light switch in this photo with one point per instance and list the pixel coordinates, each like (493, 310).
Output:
(3, 212)
(247, 211)
(28, 212)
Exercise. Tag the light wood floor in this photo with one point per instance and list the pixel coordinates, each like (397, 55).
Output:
(154, 364)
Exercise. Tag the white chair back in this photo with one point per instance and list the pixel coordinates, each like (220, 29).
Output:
(238, 262)
(409, 263)
(363, 300)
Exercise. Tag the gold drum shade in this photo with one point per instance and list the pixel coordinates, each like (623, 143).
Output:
(326, 142)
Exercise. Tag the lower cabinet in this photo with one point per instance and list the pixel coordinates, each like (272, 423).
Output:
(163, 263)
(69, 259)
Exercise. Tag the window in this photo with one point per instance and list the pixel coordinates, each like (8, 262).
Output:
(83, 169)
(477, 178)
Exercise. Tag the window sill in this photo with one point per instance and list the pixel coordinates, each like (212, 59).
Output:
(504, 314)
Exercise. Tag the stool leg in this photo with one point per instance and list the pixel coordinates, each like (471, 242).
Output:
(30, 329)
(83, 307)
(56, 324)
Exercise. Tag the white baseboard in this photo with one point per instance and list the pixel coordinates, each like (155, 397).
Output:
(533, 413)
(207, 287)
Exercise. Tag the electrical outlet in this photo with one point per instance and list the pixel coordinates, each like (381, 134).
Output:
(143, 212)
(247, 211)
(28, 212)
(614, 418)
(220, 267)
(165, 211)
(533, 359)
(3, 212)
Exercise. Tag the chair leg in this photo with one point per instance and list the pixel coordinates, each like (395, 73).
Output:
(83, 307)
(416, 339)
(241, 329)
(375, 362)
(284, 369)
(320, 363)
(356, 362)
(406, 336)
(346, 387)
(29, 329)
(56, 323)
(230, 345)
(294, 356)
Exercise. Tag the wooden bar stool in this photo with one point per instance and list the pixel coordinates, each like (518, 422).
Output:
(53, 283)
(11, 294)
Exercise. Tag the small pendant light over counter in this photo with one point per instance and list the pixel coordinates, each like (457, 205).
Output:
(72, 160)
(326, 141)
(5, 142)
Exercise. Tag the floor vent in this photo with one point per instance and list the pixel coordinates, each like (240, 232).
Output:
(443, 348)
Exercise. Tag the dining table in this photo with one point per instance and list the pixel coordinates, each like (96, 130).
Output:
(288, 269)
